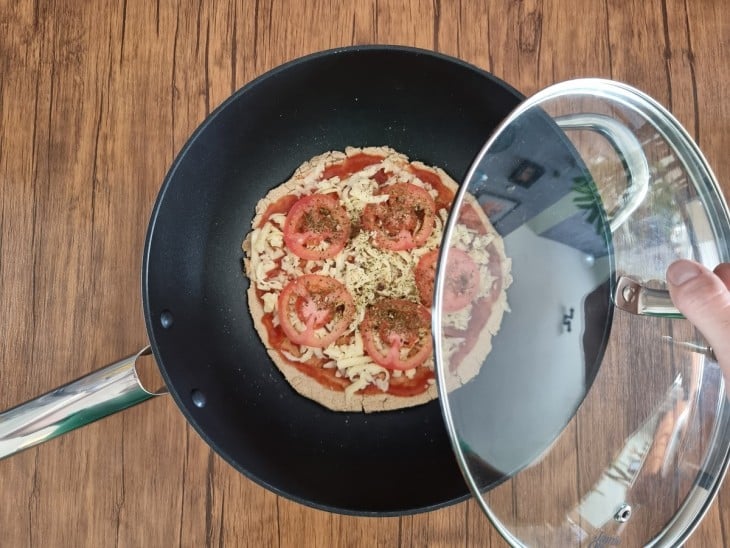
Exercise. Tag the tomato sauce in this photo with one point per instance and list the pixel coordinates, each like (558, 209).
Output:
(405, 387)
(469, 217)
(401, 386)
(351, 165)
(325, 377)
(275, 333)
(282, 205)
(381, 176)
(274, 272)
(445, 195)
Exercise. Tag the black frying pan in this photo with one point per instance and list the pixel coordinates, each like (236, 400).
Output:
(433, 108)
(428, 106)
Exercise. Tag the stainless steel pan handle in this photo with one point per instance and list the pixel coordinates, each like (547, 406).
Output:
(630, 295)
(85, 400)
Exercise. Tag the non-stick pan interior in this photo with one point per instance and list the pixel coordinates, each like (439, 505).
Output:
(428, 106)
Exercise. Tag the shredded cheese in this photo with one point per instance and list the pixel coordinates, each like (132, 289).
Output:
(270, 300)
(366, 271)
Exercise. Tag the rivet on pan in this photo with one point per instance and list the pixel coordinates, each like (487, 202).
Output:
(166, 319)
(623, 513)
(199, 399)
(629, 293)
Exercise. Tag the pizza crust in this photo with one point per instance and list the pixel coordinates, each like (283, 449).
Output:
(310, 387)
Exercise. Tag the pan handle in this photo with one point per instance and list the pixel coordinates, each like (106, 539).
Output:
(85, 400)
(630, 151)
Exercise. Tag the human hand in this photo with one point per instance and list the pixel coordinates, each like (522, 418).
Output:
(703, 297)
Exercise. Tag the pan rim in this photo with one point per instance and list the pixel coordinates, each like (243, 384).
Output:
(166, 184)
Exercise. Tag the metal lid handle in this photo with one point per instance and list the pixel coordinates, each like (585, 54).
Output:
(85, 400)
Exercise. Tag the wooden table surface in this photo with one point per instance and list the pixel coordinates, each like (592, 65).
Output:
(96, 99)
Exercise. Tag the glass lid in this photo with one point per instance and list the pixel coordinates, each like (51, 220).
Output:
(583, 410)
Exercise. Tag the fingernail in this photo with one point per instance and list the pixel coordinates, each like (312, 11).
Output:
(681, 272)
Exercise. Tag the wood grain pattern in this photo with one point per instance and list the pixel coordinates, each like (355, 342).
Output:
(96, 98)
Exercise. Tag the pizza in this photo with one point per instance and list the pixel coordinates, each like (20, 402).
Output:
(341, 261)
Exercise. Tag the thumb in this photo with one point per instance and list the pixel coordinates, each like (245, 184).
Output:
(704, 299)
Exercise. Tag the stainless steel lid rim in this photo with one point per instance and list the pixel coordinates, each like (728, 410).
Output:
(636, 454)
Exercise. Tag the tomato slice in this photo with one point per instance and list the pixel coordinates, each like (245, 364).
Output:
(462, 279)
(314, 220)
(425, 273)
(315, 310)
(396, 333)
(404, 221)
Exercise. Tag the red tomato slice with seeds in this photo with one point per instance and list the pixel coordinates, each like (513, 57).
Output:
(315, 310)
(404, 221)
(396, 333)
(461, 283)
(317, 227)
